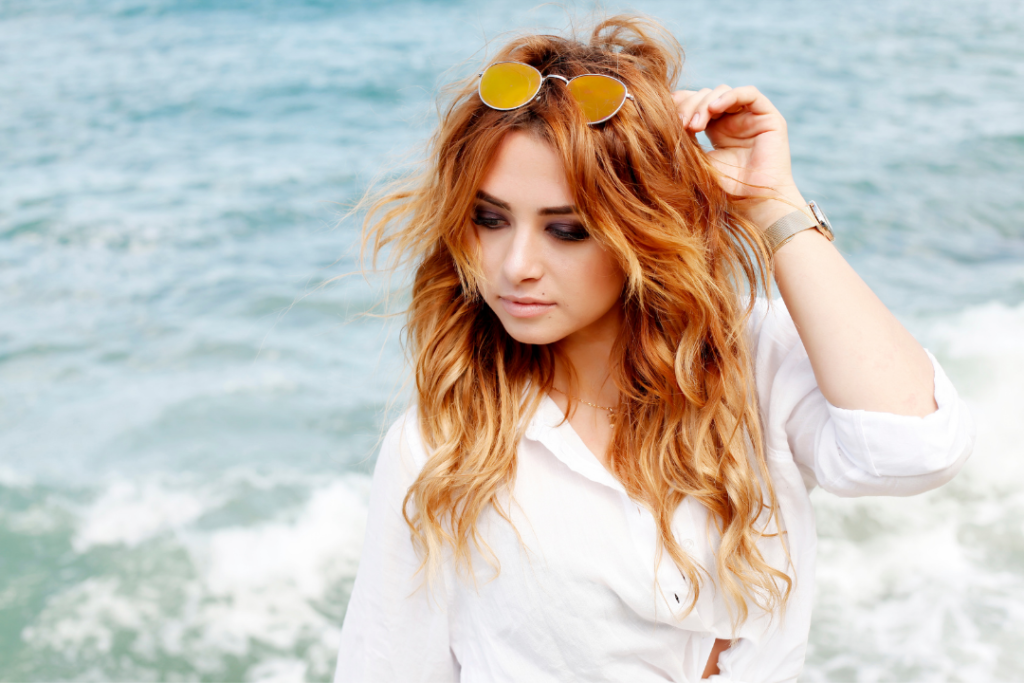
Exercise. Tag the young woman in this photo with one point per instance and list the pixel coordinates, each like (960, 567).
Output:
(605, 475)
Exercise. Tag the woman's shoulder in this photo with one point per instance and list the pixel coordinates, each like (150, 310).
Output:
(401, 449)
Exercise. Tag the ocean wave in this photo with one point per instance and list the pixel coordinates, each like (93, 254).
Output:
(229, 601)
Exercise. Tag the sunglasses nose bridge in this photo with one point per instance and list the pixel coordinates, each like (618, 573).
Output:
(561, 78)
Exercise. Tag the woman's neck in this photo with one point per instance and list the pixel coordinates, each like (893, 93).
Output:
(589, 352)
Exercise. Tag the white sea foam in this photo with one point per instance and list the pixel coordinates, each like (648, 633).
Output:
(13, 478)
(985, 351)
(87, 616)
(129, 513)
(271, 578)
(273, 583)
(293, 553)
(279, 671)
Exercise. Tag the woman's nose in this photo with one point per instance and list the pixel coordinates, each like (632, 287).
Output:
(523, 258)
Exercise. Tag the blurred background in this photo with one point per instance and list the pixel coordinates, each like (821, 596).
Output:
(189, 410)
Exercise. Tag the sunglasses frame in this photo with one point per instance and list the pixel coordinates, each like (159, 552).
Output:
(540, 85)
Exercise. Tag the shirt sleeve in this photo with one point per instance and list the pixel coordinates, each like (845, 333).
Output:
(396, 627)
(851, 452)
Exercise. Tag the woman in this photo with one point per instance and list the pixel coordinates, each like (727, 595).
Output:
(605, 476)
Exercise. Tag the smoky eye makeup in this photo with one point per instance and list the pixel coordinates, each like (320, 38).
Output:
(568, 232)
(564, 230)
(487, 218)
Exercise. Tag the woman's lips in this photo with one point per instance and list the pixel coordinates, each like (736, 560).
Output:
(525, 308)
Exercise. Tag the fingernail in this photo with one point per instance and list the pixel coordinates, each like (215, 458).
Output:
(695, 120)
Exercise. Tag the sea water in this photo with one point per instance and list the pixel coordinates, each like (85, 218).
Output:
(191, 398)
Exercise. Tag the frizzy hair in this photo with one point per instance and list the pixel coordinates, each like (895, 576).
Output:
(644, 188)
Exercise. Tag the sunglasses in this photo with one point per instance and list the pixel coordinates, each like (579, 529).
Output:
(510, 85)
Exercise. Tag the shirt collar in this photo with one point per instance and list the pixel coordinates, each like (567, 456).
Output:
(549, 427)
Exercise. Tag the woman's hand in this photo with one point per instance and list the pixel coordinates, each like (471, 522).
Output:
(863, 358)
(751, 148)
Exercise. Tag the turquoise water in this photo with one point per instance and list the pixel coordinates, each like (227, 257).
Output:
(189, 406)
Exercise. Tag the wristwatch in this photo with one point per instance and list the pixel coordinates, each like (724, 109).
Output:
(783, 230)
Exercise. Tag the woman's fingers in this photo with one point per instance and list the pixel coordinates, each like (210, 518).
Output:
(701, 116)
(747, 133)
(737, 99)
(697, 108)
(687, 101)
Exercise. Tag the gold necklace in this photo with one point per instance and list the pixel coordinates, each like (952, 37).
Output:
(611, 411)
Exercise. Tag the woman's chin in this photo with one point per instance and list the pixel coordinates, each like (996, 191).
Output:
(527, 334)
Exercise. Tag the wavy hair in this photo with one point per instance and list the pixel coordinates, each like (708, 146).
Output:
(648, 192)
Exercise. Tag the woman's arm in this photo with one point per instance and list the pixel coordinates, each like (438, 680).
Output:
(863, 358)
(396, 628)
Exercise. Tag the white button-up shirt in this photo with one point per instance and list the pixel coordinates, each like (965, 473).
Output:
(581, 594)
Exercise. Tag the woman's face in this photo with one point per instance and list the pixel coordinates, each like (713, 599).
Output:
(544, 276)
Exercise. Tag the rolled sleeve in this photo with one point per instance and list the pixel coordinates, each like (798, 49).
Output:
(901, 454)
(852, 452)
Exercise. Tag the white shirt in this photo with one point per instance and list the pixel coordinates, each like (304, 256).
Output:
(577, 598)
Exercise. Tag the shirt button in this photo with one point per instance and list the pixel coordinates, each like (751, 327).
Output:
(688, 544)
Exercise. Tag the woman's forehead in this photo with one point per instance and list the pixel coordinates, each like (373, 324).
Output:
(527, 173)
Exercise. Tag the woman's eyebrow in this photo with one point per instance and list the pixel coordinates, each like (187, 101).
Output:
(557, 210)
(490, 199)
(546, 211)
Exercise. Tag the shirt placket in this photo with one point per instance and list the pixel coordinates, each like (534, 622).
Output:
(672, 591)
(672, 588)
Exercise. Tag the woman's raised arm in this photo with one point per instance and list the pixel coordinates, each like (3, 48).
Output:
(863, 358)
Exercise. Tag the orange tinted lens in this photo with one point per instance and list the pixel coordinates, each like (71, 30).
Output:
(509, 85)
(599, 96)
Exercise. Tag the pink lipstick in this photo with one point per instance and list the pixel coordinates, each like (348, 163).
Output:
(525, 307)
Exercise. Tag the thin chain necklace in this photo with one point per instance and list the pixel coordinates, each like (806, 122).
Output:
(611, 411)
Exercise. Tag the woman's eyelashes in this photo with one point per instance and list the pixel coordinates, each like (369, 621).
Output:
(569, 232)
(486, 219)
(566, 232)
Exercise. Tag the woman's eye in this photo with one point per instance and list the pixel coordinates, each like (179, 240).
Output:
(569, 233)
(488, 220)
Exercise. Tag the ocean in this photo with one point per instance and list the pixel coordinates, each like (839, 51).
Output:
(194, 379)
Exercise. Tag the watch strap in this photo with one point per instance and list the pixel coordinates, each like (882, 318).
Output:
(783, 230)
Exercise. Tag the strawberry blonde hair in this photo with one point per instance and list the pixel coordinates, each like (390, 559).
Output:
(646, 190)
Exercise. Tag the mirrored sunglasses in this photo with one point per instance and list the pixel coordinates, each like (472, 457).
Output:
(510, 85)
